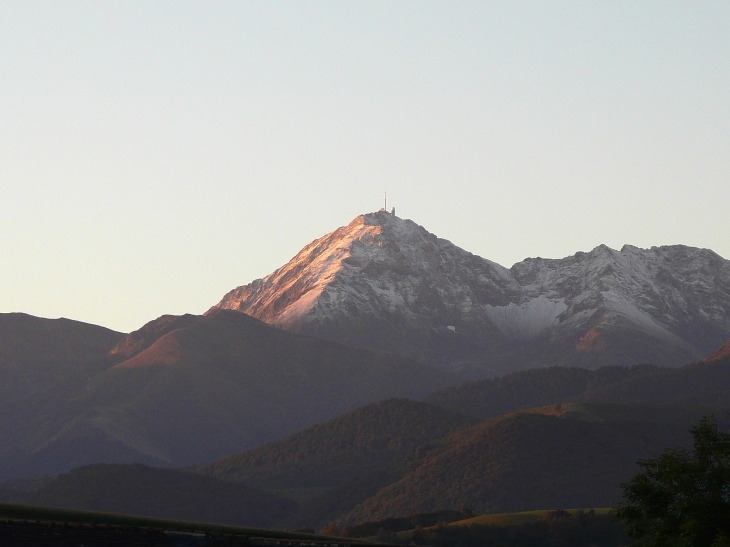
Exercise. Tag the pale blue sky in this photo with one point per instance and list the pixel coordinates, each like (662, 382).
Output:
(154, 155)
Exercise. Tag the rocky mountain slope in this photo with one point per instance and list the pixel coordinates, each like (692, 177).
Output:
(387, 283)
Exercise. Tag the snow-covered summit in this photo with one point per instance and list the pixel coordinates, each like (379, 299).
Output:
(378, 266)
(674, 292)
(386, 282)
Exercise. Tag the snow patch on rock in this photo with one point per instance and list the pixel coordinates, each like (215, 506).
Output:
(526, 320)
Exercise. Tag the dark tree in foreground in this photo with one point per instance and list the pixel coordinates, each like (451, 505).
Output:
(682, 498)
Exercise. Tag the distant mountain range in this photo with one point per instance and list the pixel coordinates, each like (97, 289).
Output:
(387, 283)
(179, 391)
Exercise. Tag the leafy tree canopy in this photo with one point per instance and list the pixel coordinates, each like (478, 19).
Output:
(682, 499)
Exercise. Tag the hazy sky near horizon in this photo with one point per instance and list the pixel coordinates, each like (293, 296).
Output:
(154, 155)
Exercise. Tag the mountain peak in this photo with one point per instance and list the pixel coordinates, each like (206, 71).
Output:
(300, 287)
(381, 274)
(379, 217)
(388, 283)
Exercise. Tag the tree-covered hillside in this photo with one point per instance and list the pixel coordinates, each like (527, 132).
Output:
(704, 383)
(530, 460)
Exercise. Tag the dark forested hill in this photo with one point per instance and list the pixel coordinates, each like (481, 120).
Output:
(334, 465)
(703, 383)
(397, 458)
(348, 446)
(186, 390)
(165, 493)
(557, 457)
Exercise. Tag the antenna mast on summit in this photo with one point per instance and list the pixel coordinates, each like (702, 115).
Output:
(385, 205)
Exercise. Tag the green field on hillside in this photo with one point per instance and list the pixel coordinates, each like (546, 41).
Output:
(511, 519)
(546, 528)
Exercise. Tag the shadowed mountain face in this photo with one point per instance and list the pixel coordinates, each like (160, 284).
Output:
(43, 363)
(387, 283)
(195, 389)
(37, 355)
